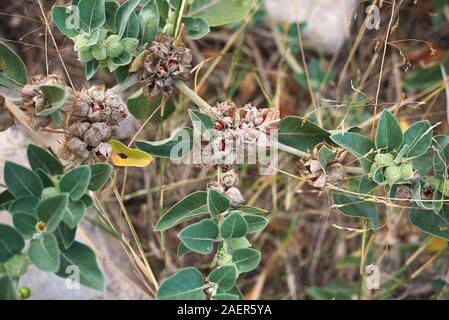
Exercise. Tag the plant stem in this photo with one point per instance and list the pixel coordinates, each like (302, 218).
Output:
(119, 88)
(203, 105)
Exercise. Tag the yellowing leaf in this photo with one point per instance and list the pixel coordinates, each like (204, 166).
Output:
(122, 156)
(436, 244)
(404, 124)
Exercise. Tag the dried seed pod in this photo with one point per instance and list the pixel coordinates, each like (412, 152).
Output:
(229, 179)
(78, 148)
(165, 63)
(103, 151)
(34, 101)
(103, 105)
(97, 133)
(235, 196)
(78, 129)
(6, 117)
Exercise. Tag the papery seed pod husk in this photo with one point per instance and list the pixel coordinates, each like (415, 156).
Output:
(235, 196)
(101, 104)
(165, 63)
(78, 148)
(97, 133)
(34, 101)
(229, 178)
(6, 117)
(78, 129)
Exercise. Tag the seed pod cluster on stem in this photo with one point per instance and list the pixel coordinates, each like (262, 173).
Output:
(165, 62)
(34, 100)
(92, 122)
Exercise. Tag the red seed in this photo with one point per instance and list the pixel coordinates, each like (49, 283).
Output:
(222, 145)
(219, 125)
(97, 107)
(172, 64)
(162, 68)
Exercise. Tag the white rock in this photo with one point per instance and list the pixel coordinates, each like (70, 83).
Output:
(327, 21)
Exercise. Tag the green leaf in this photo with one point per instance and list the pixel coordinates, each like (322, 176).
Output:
(13, 73)
(301, 134)
(91, 69)
(425, 78)
(65, 235)
(40, 158)
(201, 121)
(232, 294)
(191, 206)
(16, 266)
(246, 259)
(255, 223)
(6, 198)
(132, 28)
(74, 213)
(26, 204)
(92, 14)
(224, 276)
(177, 147)
(143, 107)
(51, 210)
(221, 12)
(11, 242)
(100, 173)
(87, 200)
(251, 210)
(353, 206)
(233, 226)
(360, 146)
(75, 182)
(389, 134)
(196, 27)
(7, 288)
(62, 16)
(22, 181)
(83, 258)
(25, 223)
(240, 243)
(149, 22)
(124, 59)
(216, 202)
(199, 237)
(56, 96)
(44, 253)
(186, 284)
(123, 14)
(111, 8)
(430, 222)
(45, 178)
(325, 156)
(419, 138)
(182, 250)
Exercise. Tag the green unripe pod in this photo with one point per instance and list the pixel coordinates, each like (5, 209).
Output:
(98, 51)
(80, 42)
(384, 159)
(84, 55)
(392, 174)
(16, 266)
(130, 44)
(373, 168)
(113, 46)
(24, 292)
(406, 171)
(49, 192)
(102, 35)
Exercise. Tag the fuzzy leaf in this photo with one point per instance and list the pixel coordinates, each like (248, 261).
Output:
(221, 12)
(186, 284)
(389, 134)
(199, 237)
(419, 138)
(75, 182)
(246, 259)
(22, 181)
(177, 147)
(216, 202)
(100, 173)
(360, 146)
(233, 226)
(224, 276)
(44, 253)
(191, 206)
(353, 206)
(11, 242)
(13, 73)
